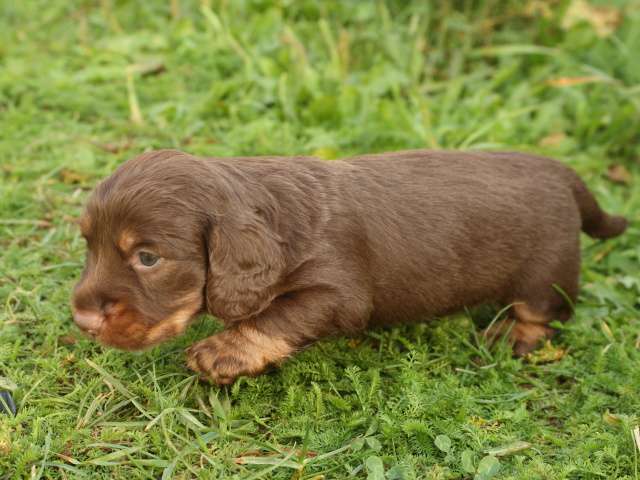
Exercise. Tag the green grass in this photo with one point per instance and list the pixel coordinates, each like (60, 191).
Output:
(85, 85)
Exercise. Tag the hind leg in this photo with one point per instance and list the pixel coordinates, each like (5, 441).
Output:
(531, 327)
(524, 336)
(540, 296)
(547, 295)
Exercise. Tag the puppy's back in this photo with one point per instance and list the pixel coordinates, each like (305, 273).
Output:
(453, 229)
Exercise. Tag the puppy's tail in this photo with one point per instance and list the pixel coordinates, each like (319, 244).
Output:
(595, 222)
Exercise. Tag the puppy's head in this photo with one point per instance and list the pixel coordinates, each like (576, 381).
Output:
(168, 236)
(145, 267)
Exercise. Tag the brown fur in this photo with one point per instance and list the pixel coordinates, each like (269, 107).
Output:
(288, 250)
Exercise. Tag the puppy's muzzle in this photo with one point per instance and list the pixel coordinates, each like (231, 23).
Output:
(90, 321)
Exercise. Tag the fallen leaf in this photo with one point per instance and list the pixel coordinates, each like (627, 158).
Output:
(69, 359)
(250, 456)
(68, 459)
(255, 453)
(242, 460)
(603, 19)
(619, 174)
(598, 257)
(547, 354)
(606, 329)
(636, 437)
(611, 418)
(70, 177)
(135, 114)
(571, 81)
(538, 8)
(115, 147)
(509, 449)
(5, 447)
(43, 224)
(480, 422)
(552, 139)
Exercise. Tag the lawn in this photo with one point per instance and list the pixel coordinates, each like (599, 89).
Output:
(84, 85)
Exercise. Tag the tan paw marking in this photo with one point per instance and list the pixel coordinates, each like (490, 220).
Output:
(239, 351)
(524, 337)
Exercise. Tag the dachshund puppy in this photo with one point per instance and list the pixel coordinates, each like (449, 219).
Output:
(289, 250)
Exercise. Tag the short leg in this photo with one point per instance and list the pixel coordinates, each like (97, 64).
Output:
(538, 301)
(524, 329)
(243, 349)
(292, 321)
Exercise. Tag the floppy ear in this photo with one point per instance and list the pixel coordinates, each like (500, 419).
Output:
(246, 260)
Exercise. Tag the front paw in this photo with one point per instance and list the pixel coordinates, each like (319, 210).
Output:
(230, 354)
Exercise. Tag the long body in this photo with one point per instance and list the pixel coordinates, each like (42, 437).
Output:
(298, 248)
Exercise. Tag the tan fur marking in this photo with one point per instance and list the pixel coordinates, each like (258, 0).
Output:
(84, 222)
(127, 240)
(529, 333)
(271, 349)
(526, 314)
(242, 350)
(176, 323)
(523, 336)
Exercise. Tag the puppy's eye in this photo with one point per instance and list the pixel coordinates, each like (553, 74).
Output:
(148, 259)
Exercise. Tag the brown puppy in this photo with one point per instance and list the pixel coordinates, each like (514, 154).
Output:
(288, 250)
